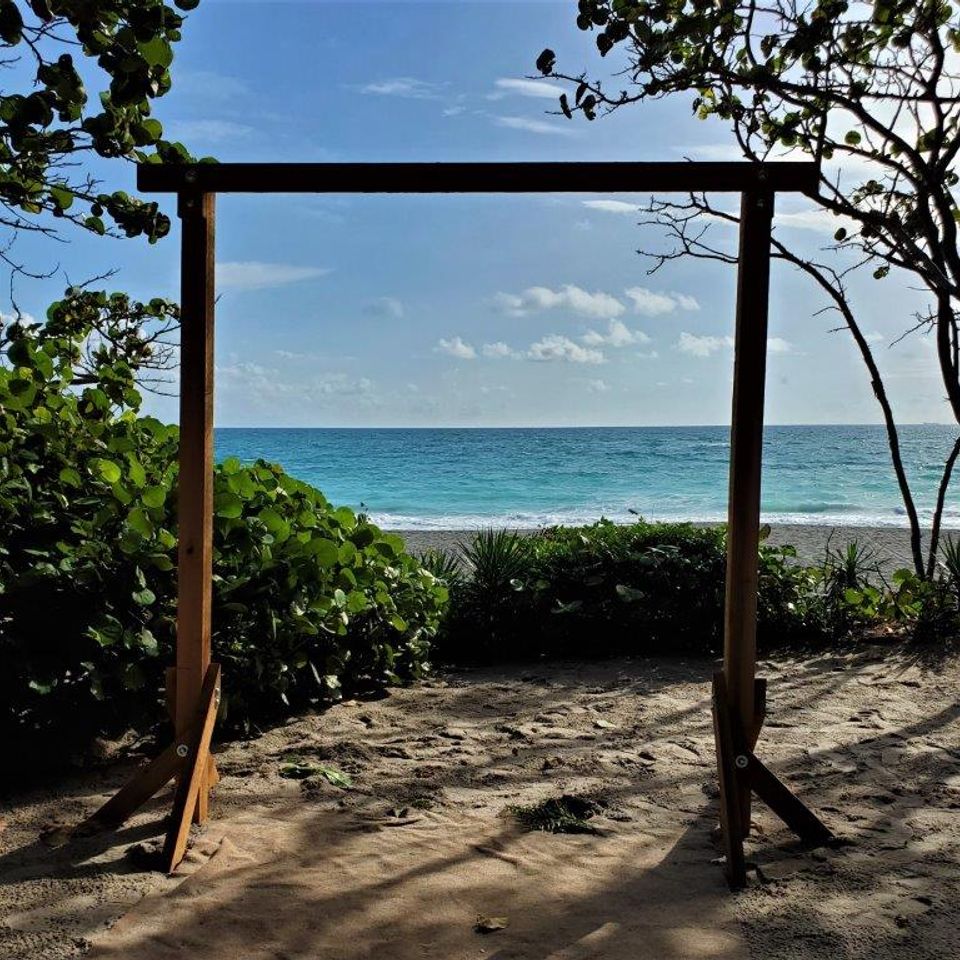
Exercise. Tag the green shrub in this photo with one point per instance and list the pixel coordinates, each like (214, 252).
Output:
(609, 589)
(307, 598)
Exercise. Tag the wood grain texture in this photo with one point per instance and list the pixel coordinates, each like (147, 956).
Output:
(195, 557)
(746, 452)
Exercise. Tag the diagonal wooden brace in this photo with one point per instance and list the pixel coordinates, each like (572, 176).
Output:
(741, 772)
(139, 788)
(195, 773)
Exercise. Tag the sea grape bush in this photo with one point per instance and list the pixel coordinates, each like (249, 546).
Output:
(308, 599)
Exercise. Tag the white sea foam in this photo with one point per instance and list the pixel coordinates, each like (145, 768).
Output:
(531, 521)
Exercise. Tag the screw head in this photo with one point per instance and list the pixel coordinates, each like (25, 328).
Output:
(182, 750)
(190, 176)
(741, 762)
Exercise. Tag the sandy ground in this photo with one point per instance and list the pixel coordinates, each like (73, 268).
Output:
(401, 863)
(890, 546)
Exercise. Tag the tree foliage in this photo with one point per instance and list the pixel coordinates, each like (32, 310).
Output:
(307, 598)
(869, 91)
(46, 130)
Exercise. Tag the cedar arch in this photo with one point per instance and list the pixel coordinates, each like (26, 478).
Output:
(738, 696)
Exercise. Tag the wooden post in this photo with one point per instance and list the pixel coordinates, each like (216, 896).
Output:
(746, 444)
(195, 558)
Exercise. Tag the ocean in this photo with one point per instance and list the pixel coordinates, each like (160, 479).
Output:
(451, 478)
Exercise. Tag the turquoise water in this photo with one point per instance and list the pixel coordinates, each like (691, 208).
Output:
(462, 478)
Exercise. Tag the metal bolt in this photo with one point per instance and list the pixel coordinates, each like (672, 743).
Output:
(182, 750)
(190, 176)
(742, 762)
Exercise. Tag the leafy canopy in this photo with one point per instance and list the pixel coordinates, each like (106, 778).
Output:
(872, 85)
(45, 130)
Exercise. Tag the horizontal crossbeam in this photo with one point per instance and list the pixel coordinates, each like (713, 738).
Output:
(566, 177)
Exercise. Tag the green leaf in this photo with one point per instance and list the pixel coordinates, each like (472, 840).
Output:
(109, 470)
(327, 553)
(345, 517)
(154, 497)
(70, 477)
(228, 505)
(144, 597)
(62, 197)
(136, 472)
(546, 62)
(11, 23)
(139, 520)
(157, 52)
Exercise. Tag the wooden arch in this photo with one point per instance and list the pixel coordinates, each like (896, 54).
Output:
(738, 697)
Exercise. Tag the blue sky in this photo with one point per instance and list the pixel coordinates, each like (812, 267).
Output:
(340, 311)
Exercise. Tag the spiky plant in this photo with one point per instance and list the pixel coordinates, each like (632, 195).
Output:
(499, 560)
(445, 565)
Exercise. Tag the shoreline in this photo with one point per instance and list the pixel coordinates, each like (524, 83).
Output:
(891, 545)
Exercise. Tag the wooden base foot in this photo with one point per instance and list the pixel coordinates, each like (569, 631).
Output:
(190, 761)
(741, 774)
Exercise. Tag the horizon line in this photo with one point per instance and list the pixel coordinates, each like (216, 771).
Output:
(597, 426)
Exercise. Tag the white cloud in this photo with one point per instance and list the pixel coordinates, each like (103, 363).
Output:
(652, 303)
(815, 219)
(612, 206)
(618, 335)
(497, 350)
(257, 275)
(408, 87)
(598, 304)
(706, 346)
(453, 111)
(209, 84)
(559, 348)
(685, 301)
(211, 131)
(703, 346)
(265, 384)
(525, 88)
(456, 347)
(712, 151)
(598, 386)
(389, 307)
(534, 126)
(22, 317)
(873, 337)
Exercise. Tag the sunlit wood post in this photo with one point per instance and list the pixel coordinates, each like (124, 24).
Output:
(195, 558)
(746, 446)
